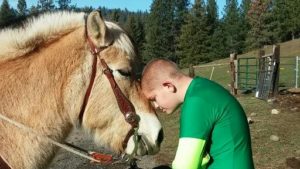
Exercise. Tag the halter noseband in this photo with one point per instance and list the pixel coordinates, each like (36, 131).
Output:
(124, 104)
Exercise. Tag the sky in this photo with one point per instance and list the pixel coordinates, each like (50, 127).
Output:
(131, 5)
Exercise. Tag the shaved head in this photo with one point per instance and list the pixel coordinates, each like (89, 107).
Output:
(157, 71)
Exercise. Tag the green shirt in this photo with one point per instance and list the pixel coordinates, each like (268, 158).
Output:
(214, 132)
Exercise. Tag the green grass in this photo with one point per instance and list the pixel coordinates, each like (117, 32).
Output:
(267, 154)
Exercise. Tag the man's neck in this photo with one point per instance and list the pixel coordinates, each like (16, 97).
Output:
(183, 85)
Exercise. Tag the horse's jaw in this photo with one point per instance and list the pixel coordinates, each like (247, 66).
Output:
(150, 135)
(143, 147)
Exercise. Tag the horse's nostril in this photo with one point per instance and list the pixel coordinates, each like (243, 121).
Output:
(160, 137)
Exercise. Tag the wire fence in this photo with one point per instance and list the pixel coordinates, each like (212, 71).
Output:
(216, 72)
(289, 72)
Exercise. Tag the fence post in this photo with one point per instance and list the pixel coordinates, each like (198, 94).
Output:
(191, 71)
(261, 53)
(297, 70)
(276, 57)
(233, 72)
(212, 72)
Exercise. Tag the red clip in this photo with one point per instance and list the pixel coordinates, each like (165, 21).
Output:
(103, 158)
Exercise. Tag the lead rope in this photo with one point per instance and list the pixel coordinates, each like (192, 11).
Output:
(132, 159)
(63, 146)
(73, 149)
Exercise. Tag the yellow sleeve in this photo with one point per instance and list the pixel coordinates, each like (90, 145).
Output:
(190, 154)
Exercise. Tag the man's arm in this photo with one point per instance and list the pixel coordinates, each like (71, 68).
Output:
(190, 154)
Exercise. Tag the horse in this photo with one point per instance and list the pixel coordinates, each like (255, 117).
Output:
(46, 71)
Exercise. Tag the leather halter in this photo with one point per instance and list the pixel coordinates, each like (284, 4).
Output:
(3, 164)
(124, 104)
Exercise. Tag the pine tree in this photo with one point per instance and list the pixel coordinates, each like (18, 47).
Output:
(63, 4)
(159, 28)
(294, 18)
(131, 26)
(180, 13)
(245, 26)
(289, 26)
(115, 15)
(46, 5)
(280, 15)
(7, 14)
(232, 27)
(212, 15)
(258, 34)
(286, 20)
(22, 7)
(213, 29)
(218, 47)
(140, 35)
(34, 10)
(193, 41)
(135, 29)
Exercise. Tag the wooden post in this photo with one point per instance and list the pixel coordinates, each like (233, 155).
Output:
(276, 61)
(261, 53)
(233, 72)
(191, 71)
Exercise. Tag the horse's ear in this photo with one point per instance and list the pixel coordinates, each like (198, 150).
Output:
(97, 29)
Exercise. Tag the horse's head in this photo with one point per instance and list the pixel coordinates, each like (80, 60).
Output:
(102, 116)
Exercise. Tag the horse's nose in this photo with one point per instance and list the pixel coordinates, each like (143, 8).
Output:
(160, 137)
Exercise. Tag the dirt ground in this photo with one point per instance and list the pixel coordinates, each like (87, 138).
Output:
(267, 154)
(67, 160)
(289, 103)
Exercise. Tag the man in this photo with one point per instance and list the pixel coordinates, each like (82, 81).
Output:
(214, 132)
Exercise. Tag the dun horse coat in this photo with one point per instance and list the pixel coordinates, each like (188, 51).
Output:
(45, 69)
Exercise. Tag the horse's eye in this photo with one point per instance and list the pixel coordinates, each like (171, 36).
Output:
(125, 73)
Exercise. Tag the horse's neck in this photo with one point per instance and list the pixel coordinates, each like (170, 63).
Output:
(45, 91)
(66, 74)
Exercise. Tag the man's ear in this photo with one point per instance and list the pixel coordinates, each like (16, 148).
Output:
(170, 86)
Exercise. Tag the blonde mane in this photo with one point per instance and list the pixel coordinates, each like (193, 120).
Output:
(43, 29)
(48, 28)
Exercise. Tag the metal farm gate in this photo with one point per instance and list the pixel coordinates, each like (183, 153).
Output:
(247, 73)
(260, 74)
(268, 76)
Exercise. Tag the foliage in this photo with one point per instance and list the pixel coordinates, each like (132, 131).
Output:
(212, 15)
(46, 5)
(63, 4)
(135, 28)
(159, 31)
(22, 7)
(194, 38)
(7, 14)
(286, 19)
(232, 27)
(245, 26)
(258, 33)
(188, 32)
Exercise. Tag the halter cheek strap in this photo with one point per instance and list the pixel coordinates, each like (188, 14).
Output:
(3, 164)
(124, 104)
